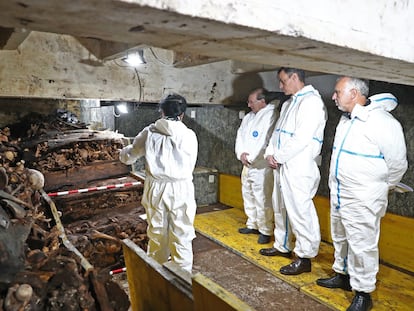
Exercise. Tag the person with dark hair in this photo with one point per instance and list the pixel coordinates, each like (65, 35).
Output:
(173, 106)
(369, 158)
(293, 154)
(257, 177)
(170, 150)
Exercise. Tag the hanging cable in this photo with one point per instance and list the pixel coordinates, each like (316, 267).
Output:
(140, 85)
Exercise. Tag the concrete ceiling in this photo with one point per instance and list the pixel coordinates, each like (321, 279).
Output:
(108, 28)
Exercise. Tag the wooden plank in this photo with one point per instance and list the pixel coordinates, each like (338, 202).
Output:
(396, 242)
(230, 190)
(211, 296)
(151, 286)
(221, 227)
(396, 239)
(323, 210)
(84, 175)
(397, 234)
(58, 139)
(385, 297)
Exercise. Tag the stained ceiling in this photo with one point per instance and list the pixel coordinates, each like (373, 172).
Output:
(108, 28)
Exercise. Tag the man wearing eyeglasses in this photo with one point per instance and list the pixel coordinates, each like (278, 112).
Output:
(257, 178)
(292, 153)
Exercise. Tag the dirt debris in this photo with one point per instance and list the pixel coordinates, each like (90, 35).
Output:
(37, 271)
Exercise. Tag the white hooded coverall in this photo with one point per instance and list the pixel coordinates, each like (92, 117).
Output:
(368, 159)
(170, 150)
(296, 144)
(257, 179)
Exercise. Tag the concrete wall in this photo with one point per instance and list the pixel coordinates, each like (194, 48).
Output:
(59, 67)
(216, 128)
(379, 27)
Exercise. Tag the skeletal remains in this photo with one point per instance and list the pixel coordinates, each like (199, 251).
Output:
(37, 271)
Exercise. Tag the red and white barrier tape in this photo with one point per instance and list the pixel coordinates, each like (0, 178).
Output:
(116, 271)
(55, 194)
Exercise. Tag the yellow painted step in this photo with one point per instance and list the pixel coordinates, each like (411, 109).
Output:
(397, 234)
(395, 290)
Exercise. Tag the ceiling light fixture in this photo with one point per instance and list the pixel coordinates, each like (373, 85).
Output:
(135, 59)
(120, 108)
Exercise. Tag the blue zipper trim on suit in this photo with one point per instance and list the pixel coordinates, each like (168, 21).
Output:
(278, 138)
(286, 233)
(385, 98)
(303, 94)
(318, 140)
(380, 156)
(338, 196)
(345, 269)
(284, 132)
(291, 134)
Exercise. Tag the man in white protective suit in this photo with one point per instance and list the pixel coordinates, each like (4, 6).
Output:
(368, 159)
(170, 150)
(257, 177)
(293, 153)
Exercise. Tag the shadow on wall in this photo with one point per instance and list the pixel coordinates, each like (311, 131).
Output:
(242, 85)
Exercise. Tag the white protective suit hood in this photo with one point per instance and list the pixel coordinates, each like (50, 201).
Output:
(161, 126)
(385, 101)
(169, 147)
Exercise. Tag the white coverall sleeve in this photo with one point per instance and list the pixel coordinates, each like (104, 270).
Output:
(129, 154)
(308, 120)
(194, 149)
(270, 148)
(239, 146)
(390, 138)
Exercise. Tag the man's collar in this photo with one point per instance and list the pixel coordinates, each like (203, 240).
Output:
(360, 112)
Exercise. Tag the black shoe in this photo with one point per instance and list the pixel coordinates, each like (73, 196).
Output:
(248, 231)
(361, 302)
(337, 281)
(263, 239)
(298, 266)
(274, 252)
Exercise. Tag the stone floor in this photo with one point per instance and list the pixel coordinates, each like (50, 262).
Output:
(258, 288)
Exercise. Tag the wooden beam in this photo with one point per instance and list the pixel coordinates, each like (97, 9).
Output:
(185, 59)
(151, 286)
(10, 38)
(106, 50)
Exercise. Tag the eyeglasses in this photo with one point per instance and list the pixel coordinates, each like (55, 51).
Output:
(252, 102)
(285, 80)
